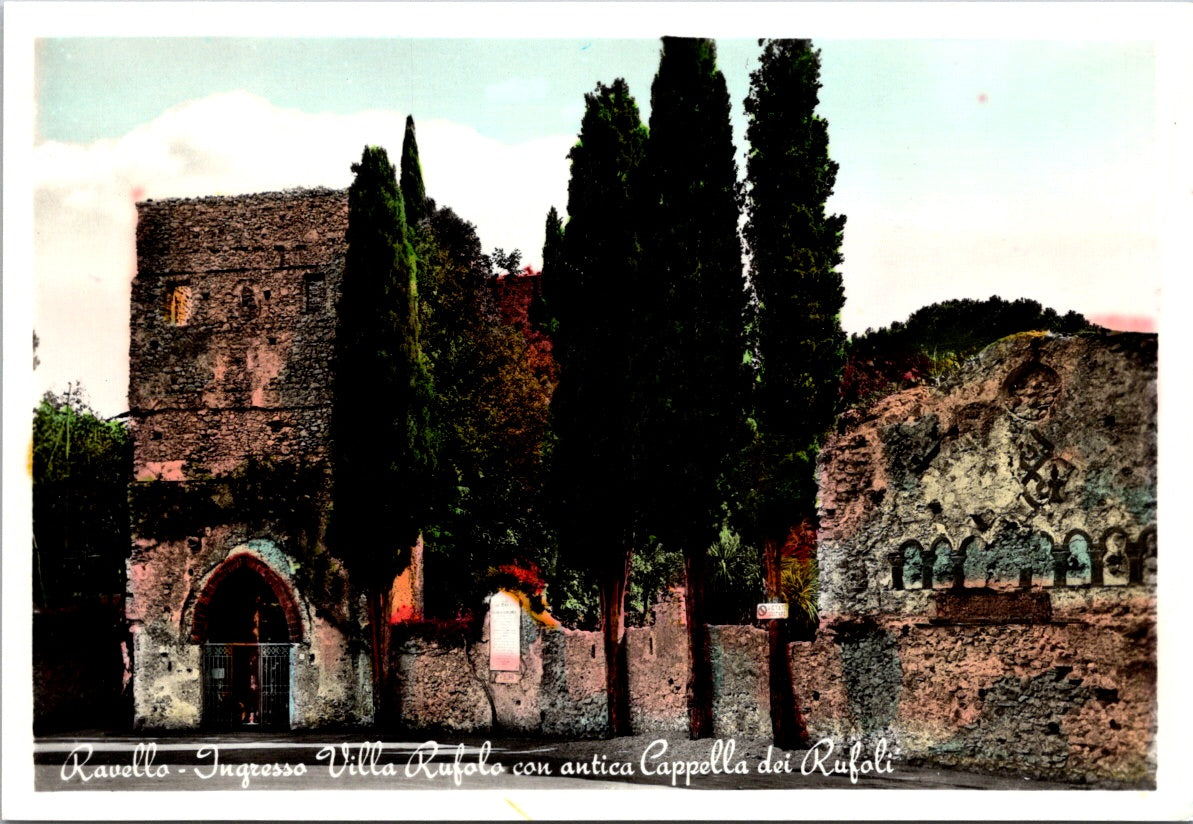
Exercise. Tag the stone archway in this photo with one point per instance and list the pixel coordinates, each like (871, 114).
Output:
(246, 620)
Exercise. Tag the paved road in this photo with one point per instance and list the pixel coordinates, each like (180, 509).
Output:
(306, 761)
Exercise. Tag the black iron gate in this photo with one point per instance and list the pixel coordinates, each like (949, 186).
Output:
(246, 686)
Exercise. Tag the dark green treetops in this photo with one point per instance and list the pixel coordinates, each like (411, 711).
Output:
(694, 301)
(795, 249)
(414, 195)
(596, 405)
(384, 444)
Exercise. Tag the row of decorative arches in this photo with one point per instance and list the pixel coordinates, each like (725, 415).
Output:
(1036, 559)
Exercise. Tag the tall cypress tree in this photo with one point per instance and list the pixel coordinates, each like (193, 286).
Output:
(795, 251)
(695, 299)
(382, 440)
(593, 406)
(543, 314)
(414, 195)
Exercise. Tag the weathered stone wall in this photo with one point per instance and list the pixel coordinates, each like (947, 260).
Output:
(1042, 450)
(987, 559)
(658, 669)
(573, 688)
(232, 334)
(241, 365)
(329, 676)
(1073, 698)
(560, 689)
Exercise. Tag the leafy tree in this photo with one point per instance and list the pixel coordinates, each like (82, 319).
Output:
(694, 302)
(414, 194)
(938, 336)
(795, 250)
(491, 404)
(594, 407)
(384, 445)
(81, 468)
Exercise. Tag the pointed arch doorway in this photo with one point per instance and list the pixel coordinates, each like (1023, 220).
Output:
(246, 621)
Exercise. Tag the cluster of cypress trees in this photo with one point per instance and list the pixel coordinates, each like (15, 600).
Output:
(690, 394)
(439, 416)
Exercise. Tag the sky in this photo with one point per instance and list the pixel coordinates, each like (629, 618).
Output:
(968, 167)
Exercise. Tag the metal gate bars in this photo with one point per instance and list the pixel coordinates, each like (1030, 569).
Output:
(246, 686)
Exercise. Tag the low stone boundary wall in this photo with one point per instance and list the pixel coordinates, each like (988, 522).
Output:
(1071, 698)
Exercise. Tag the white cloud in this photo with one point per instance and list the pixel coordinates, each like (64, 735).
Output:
(84, 255)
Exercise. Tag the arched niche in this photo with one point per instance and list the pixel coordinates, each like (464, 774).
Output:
(247, 620)
(1042, 559)
(1080, 558)
(910, 558)
(1149, 547)
(942, 562)
(1115, 563)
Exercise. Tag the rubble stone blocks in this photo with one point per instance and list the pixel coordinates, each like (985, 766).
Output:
(982, 606)
(987, 563)
(232, 329)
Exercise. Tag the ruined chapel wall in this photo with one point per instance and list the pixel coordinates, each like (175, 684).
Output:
(1071, 699)
(1004, 651)
(1036, 439)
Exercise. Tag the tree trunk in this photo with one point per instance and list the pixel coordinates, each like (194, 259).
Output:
(378, 617)
(787, 724)
(700, 682)
(617, 683)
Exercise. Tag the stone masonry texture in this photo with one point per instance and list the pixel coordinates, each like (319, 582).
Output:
(232, 332)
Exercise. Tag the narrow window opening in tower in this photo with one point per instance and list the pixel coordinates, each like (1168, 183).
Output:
(314, 293)
(248, 302)
(178, 305)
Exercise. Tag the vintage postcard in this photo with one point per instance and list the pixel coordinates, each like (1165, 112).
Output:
(740, 405)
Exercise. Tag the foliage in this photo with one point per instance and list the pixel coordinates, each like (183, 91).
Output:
(592, 408)
(654, 572)
(81, 466)
(693, 295)
(795, 251)
(939, 336)
(414, 194)
(800, 587)
(735, 584)
(596, 405)
(491, 411)
(383, 442)
(694, 304)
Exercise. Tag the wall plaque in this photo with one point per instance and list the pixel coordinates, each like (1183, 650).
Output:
(505, 632)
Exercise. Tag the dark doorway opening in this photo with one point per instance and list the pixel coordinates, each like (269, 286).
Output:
(246, 656)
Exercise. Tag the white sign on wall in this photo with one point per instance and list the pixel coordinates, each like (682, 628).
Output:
(505, 632)
(768, 612)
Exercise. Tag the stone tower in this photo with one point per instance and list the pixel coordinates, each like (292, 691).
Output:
(239, 615)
